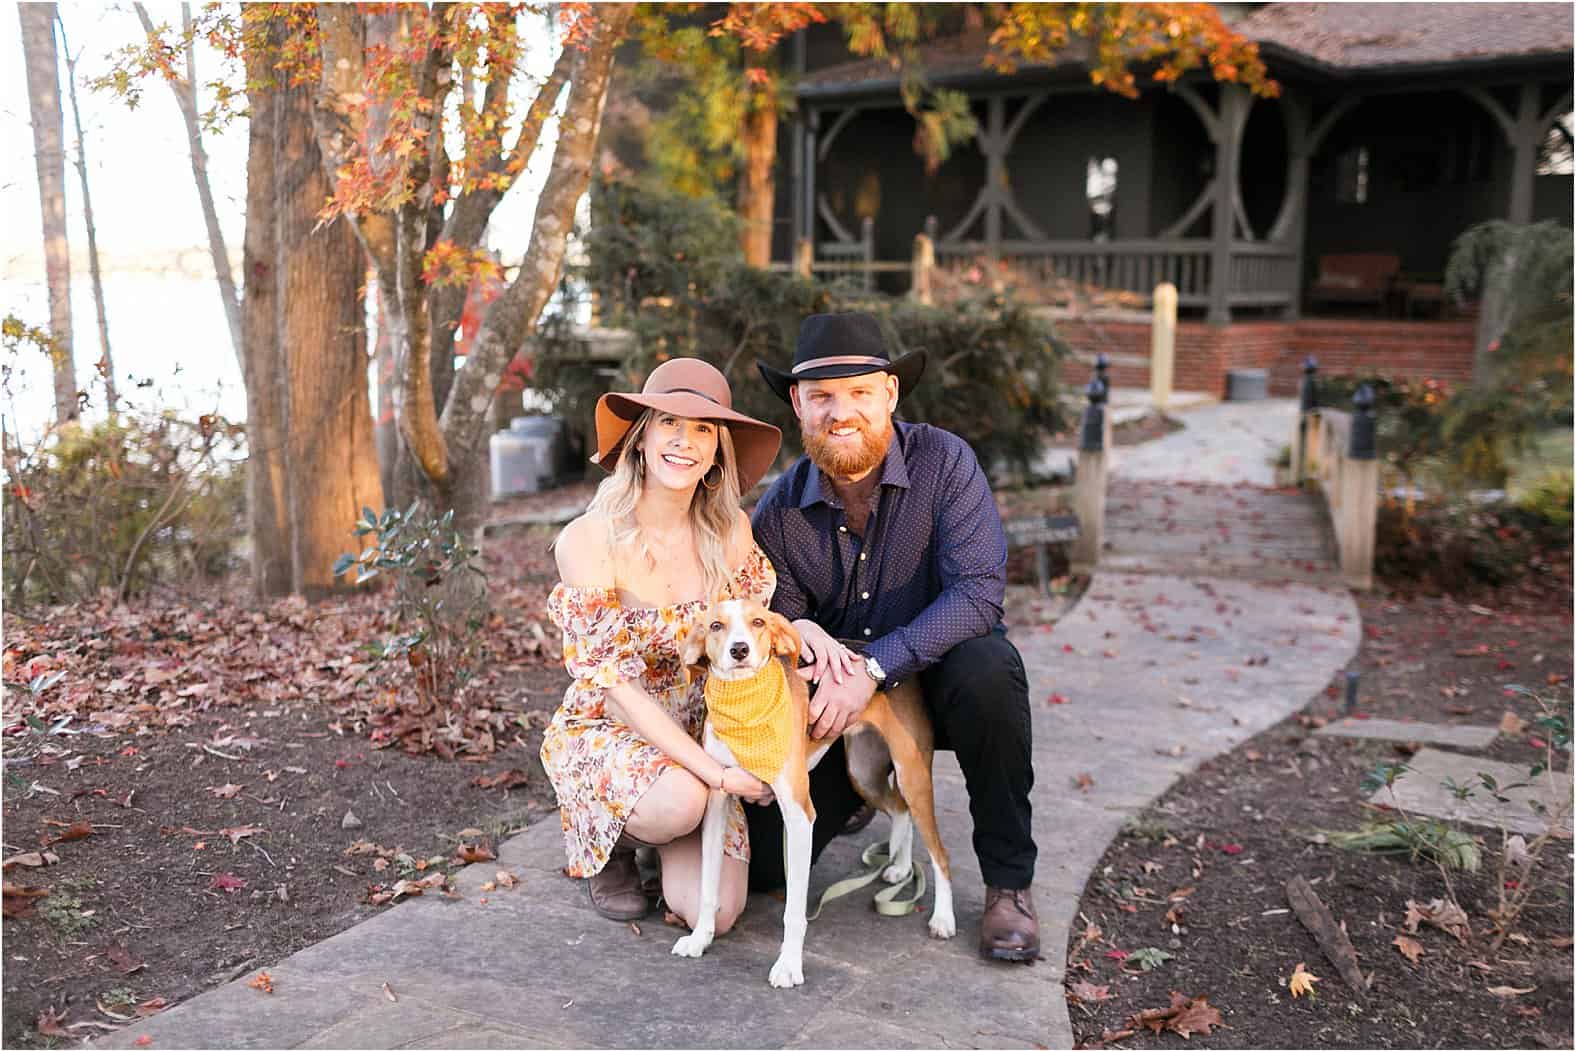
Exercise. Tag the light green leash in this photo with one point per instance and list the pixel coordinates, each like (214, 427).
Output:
(887, 902)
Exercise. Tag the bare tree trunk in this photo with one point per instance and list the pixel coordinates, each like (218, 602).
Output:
(43, 96)
(330, 459)
(385, 433)
(262, 365)
(512, 317)
(106, 362)
(757, 185)
(185, 92)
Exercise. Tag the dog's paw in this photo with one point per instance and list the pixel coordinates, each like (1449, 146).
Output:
(896, 874)
(692, 945)
(942, 925)
(788, 972)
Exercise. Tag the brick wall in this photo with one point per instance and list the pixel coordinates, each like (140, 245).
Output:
(1413, 349)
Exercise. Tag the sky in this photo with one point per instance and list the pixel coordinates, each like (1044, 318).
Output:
(166, 331)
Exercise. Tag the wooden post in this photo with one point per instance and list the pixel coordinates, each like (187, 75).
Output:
(1089, 493)
(1524, 146)
(1307, 407)
(924, 266)
(1359, 483)
(803, 257)
(1233, 117)
(1162, 344)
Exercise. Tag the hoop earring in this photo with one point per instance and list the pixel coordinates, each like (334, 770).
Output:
(712, 485)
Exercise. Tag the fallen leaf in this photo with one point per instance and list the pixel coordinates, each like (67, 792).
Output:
(1302, 981)
(262, 981)
(144, 1041)
(1446, 916)
(1186, 1016)
(475, 853)
(1088, 992)
(1511, 725)
(388, 991)
(506, 879)
(225, 791)
(1410, 948)
(236, 833)
(49, 1024)
(634, 928)
(503, 780)
(1057, 699)
(152, 1006)
(1231, 849)
(1108, 1036)
(31, 859)
(469, 831)
(1083, 782)
(17, 900)
(74, 831)
(121, 958)
(227, 882)
(1510, 991)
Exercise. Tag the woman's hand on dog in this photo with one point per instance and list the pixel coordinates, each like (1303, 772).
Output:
(736, 781)
(825, 654)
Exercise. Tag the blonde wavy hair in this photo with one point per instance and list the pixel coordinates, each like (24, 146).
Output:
(714, 513)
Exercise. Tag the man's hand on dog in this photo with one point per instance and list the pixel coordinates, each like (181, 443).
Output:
(826, 655)
(835, 705)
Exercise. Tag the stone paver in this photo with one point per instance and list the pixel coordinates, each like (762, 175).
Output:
(1160, 672)
(1421, 791)
(1226, 443)
(1460, 736)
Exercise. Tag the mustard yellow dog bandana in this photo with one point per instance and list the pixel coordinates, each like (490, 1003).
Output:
(752, 717)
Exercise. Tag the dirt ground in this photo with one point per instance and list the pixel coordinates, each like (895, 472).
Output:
(1201, 875)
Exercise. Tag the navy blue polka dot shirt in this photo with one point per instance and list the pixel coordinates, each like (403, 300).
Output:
(930, 572)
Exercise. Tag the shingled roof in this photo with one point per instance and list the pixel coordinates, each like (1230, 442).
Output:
(1350, 38)
(1368, 36)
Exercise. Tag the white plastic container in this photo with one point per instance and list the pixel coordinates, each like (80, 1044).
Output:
(517, 467)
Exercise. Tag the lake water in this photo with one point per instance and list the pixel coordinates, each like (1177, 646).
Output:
(167, 334)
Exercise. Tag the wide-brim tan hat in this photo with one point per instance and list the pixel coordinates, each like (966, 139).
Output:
(694, 389)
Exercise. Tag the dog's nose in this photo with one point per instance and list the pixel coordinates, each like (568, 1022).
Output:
(739, 651)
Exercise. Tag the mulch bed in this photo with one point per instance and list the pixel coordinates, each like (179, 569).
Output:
(1201, 875)
(192, 834)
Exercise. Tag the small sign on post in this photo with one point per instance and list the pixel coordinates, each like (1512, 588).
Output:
(1041, 531)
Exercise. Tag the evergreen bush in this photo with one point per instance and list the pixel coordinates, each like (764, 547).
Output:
(667, 267)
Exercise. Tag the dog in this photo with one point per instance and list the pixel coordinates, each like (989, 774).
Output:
(747, 651)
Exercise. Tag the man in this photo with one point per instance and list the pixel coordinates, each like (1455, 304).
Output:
(887, 534)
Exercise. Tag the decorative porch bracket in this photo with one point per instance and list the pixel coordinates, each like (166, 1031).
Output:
(818, 152)
(1215, 126)
(1525, 133)
(996, 196)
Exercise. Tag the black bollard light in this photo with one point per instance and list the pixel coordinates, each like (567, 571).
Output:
(1101, 365)
(1362, 444)
(1351, 693)
(1309, 392)
(1092, 437)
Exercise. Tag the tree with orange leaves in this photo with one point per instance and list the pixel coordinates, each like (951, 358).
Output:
(738, 91)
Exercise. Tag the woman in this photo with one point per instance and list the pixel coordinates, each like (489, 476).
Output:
(662, 537)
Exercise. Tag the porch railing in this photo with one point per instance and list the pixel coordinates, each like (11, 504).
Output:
(1260, 274)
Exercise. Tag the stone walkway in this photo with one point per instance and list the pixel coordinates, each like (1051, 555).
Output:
(1154, 674)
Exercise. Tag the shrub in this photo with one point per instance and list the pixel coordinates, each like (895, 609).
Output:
(1549, 499)
(142, 499)
(667, 268)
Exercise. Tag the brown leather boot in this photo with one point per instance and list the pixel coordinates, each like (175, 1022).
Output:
(615, 892)
(1010, 929)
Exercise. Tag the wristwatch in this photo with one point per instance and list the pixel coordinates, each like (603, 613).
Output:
(874, 670)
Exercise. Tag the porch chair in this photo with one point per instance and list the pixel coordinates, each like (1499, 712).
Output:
(1355, 279)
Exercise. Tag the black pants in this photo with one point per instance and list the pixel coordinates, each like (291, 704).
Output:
(978, 699)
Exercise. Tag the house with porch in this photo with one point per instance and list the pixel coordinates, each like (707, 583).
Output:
(1318, 222)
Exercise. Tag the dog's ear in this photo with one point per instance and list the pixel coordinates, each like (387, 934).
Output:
(693, 652)
(785, 637)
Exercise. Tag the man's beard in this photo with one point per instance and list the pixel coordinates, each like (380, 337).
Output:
(838, 459)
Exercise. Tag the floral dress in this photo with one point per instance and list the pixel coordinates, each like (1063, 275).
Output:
(599, 766)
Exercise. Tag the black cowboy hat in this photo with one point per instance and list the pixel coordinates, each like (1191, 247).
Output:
(834, 345)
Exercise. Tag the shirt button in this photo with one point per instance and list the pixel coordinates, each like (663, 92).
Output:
(861, 556)
(864, 595)
(842, 529)
(867, 631)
